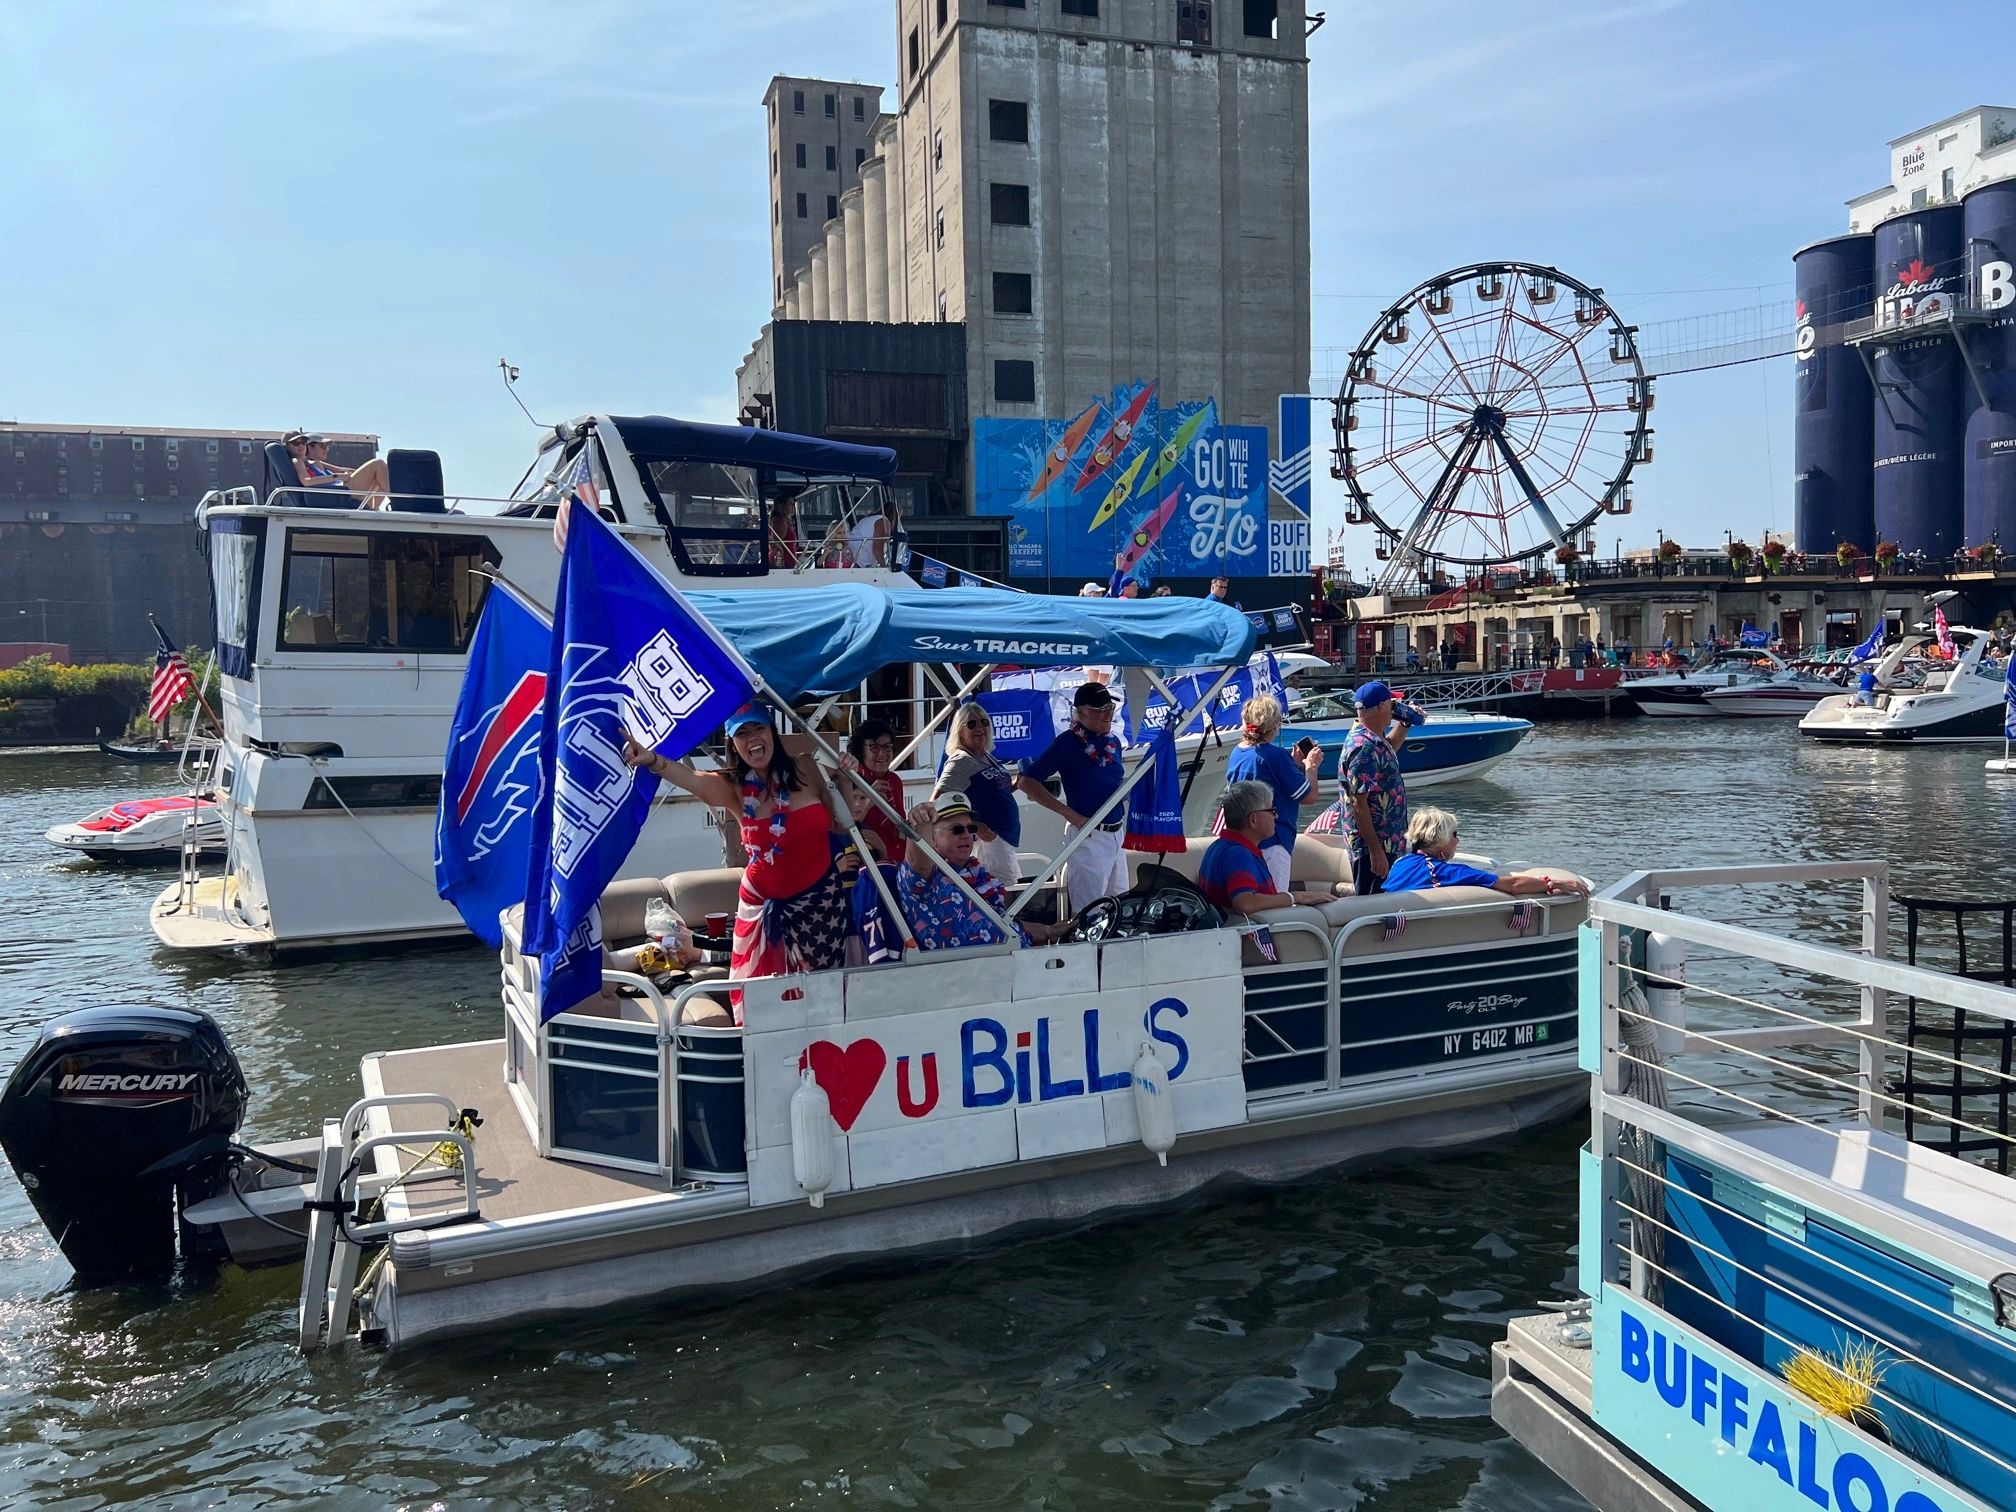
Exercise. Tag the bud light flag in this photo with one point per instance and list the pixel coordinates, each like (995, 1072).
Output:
(1155, 803)
(628, 654)
(1023, 724)
(490, 782)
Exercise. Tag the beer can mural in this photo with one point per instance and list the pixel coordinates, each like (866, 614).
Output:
(1832, 487)
(1988, 218)
(1920, 382)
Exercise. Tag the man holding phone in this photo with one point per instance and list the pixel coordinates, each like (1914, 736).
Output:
(1258, 759)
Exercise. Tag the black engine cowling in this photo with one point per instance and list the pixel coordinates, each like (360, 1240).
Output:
(112, 1116)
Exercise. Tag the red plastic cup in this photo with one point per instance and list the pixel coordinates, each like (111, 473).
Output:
(717, 924)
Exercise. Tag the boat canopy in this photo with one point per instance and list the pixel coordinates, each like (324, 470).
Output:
(814, 641)
(649, 436)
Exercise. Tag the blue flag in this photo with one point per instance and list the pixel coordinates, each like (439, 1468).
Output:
(933, 573)
(1023, 725)
(1155, 803)
(1751, 636)
(490, 782)
(629, 654)
(2009, 698)
(1869, 647)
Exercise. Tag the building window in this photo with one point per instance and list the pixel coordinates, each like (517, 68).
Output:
(1088, 8)
(938, 148)
(1946, 184)
(941, 307)
(1009, 204)
(138, 444)
(773, 165)
(941, 228)
(830, 108)
(1193, 22)
(797, 102)
(860, 157)
(1014, 381)
(776, 213)
(832, 159)
(244, 448)
(799, 152)
(860, 108)
(1008, 120)
(1263, 18)
(1010, 4)
(942, 16)
(1917, 199)
(780, 291)
(1012, 294)
(832, 206)
(916, 53)
(801, 207)
(97, 443)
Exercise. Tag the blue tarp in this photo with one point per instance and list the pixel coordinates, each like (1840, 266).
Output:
(650, 436)
(811, 641)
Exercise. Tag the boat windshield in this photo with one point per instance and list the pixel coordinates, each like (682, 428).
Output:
(382, 590)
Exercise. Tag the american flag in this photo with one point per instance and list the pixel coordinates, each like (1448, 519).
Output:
(1324, 823)
(578, 482)
(171, 678)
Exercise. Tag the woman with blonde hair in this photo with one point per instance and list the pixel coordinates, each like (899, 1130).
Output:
(1258, 759)
(1430, 862)
(971, 768)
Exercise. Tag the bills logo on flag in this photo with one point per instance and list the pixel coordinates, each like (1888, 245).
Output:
(933, 573)
(490, 781)
(171, 678)
(1258, 621)
(1751, 636)
(628, 656)
(1869, 647)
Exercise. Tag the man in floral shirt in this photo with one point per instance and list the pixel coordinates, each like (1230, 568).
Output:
(1371, 794)
(941, 916)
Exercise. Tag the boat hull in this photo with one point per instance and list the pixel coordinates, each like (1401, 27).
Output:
(1767, 703)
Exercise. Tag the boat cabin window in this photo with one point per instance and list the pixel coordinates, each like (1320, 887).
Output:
(714, 512)
(382, 590)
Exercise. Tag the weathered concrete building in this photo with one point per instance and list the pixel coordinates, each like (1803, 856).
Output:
(818, 139)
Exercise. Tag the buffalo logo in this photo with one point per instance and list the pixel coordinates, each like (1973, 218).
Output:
(505, 771)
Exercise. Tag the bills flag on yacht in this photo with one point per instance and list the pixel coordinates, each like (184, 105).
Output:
(171, 677)
(491, 775)
(629, 656)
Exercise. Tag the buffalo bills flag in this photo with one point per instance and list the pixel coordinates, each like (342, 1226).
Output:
(628, 655)
(490, 782)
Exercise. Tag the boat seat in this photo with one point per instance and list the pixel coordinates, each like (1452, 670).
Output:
(1315, 865)
(704, 890)
(415, 479)
(283, 485)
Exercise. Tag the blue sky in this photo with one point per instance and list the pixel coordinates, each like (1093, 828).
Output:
(341, 213)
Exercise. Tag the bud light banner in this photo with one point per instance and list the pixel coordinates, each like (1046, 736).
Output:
(1023, 724)
(1127, 487)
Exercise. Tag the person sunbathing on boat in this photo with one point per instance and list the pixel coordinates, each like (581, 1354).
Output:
(941, 916)
(1430, 862)
(312, 466)
(1233, 874)
(790, 914)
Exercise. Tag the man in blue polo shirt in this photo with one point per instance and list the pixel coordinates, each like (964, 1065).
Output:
(1086, 761)
(1233, 874)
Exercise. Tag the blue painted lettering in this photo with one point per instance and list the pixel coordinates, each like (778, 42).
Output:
(1046, 1088)
(1634, 1346)
(1115, 1081)
(1809, 1453)
(994, 1058)
(1169, 1037)
(1673, 1389)
(1851, 1469)
(1734, 1396)
(1768, 1446)
(1701, 1382)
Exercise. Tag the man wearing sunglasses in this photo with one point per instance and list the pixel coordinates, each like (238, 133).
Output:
(941, 916)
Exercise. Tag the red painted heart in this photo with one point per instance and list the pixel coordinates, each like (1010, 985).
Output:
(848, 1076)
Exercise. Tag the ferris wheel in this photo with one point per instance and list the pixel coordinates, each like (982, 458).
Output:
(1490, 416)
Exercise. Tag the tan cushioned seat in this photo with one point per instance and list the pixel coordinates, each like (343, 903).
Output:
(1424, 929)
(623, 908)
(1184, 862)
(696, 894)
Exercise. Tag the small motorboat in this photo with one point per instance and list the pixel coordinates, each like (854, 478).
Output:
(1952, 701)
(1453, 746)
(1790, 694)
(143, 829)
(156, 752)
(1686, 693)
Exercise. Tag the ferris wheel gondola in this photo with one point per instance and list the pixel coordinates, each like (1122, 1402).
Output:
(1491, 415)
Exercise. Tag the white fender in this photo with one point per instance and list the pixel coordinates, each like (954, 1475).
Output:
(1153, 1111)
(1666, 956)
(812, 1138)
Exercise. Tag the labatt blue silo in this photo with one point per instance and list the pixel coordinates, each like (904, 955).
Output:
(1988, 218)
(1832, 486)
(1920, 413)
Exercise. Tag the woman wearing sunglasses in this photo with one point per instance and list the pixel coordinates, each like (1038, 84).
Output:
(941, 916)
(970, 768)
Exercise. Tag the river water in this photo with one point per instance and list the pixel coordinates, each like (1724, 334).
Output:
(1323, 1345)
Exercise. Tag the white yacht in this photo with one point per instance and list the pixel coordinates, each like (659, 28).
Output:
(341, 635)
(1786, 695)
(1953, 703)
(1685, 693)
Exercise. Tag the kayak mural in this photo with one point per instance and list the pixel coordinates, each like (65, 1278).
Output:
(1168, 490)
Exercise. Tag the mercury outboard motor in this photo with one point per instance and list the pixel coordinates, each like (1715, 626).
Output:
(113, 1116)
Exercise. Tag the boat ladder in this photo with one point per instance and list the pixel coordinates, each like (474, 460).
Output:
(344, 1194)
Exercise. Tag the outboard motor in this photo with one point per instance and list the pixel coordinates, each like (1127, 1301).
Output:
(112, 1116)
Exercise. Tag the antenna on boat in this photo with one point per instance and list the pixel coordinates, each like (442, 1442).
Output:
(510, 378)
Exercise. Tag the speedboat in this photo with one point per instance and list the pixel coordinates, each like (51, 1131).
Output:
(1453, 746)
(144, 829)
(341, 640)
(1956, 701)
(1785, 695)
(159, 752)
(642, 1144)
(1686, 693)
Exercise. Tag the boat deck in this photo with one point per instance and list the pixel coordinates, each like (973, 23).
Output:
(512, 1181)
(203, 919)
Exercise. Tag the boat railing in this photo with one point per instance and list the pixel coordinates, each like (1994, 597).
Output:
(1747, 1200)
